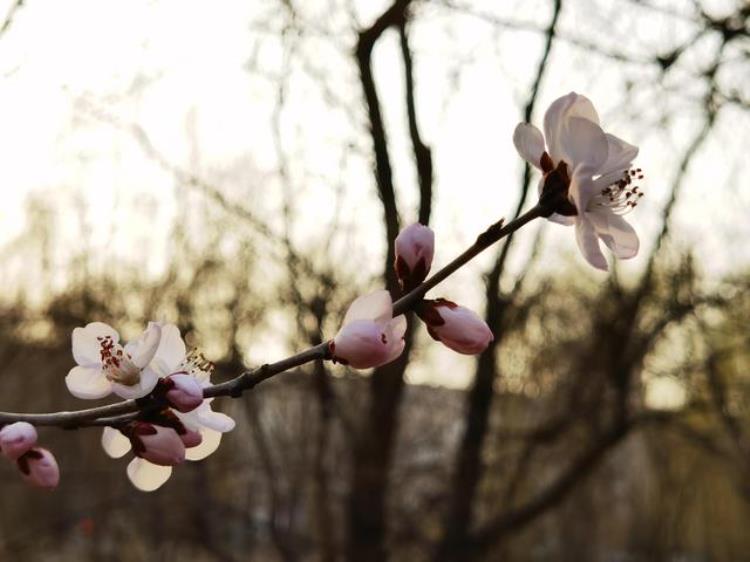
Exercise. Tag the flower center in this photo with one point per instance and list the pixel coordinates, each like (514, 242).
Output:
(117, 364)
(621, 196)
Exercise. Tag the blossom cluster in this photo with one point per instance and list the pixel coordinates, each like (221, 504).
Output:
(155, 365)
(371, 337)
(588, 180)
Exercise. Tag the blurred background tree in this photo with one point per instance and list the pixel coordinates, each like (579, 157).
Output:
(243, 170)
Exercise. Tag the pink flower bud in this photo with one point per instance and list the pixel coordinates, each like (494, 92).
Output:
(191, 438)
(17, 438)
(415, 246)
(185, 393)
(39, 468)
(456, 327)
(370, 336)
(156, 444)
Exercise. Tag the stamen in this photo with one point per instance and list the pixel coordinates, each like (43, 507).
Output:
(196, 365)
(117, 364)
(621, 196)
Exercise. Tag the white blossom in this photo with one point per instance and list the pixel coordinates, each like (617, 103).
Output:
(199, 429)
(594, 169)
(105, 366)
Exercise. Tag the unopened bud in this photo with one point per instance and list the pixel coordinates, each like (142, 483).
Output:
(39, 468)
(415, 247)
(185, 392)
(156, 444)
(17, 438)
(455, 326)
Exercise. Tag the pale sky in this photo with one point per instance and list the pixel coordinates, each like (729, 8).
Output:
(201, 80)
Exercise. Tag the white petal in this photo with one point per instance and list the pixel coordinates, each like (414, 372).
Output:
(86, 346)
(171, 352)
(589, 243)
(88, 383)
(211, 441)
(216, 421)
(148, 381)
(554, 120)
(616, 233)
(557, 116)
(146, 476)
(583, 143)
(114, 443)
(564, 220)
(620, 155)
(582, 188)
(582, 107)
(143, 349)
(529, 143)
(376, 306)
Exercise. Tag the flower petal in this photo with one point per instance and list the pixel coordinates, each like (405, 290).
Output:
(215, 420)
(86, 346)
(171, 352)
(397, 327)
(362, 344)
(562, 219)
(589, 243)
(88, 383)
(616, 233)
(146, 476)
(557, 116)
(211, 441)
(114, 443)
(582, 107)
(376, 306)
(583, 143)
(620, 155)
(582, 188)
(394, 351)
(529, 143)
(148, 380)
(554, 120)
(143, 349)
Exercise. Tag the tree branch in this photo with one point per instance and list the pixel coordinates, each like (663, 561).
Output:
(129, 409)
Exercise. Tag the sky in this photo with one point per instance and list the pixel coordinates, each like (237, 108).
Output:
(203, 83)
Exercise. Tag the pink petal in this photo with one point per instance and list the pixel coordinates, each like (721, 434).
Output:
(39, 468)
(376, 306)
(17, 438)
